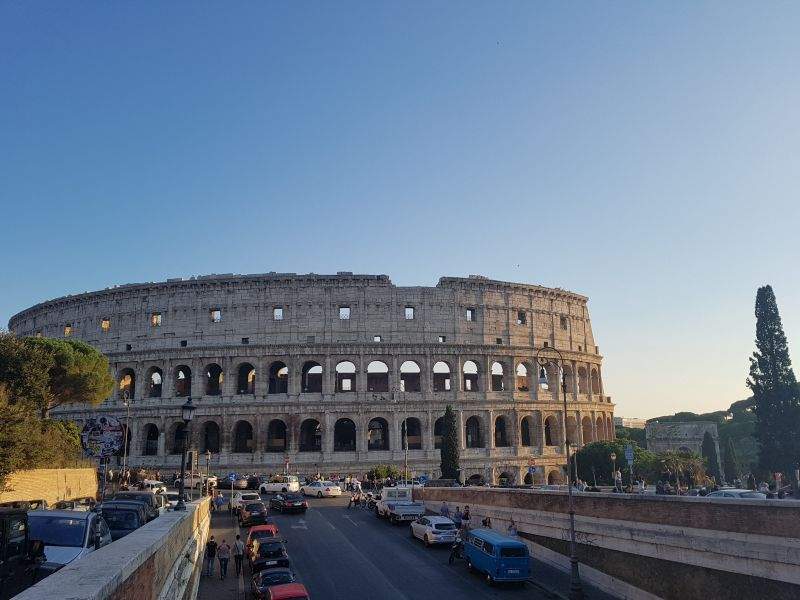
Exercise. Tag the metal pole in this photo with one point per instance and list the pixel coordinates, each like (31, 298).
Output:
(405, 447)
(127, 428)
(181, 505)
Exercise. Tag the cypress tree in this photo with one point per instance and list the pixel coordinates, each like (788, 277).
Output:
(774, 387)
(450, 450)
(709, 451)
(730, 462)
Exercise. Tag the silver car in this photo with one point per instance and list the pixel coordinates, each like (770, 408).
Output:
(434, 530)
(734, 493)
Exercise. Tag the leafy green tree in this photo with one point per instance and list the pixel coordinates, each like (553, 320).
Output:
(774, 388)
(381, 472)
(709, 453)
(730, 462)
(595, 464)
(631, 433)
(450, 449)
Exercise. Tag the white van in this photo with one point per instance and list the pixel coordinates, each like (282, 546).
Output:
(280, 484)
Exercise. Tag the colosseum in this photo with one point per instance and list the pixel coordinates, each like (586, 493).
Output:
(338, 373)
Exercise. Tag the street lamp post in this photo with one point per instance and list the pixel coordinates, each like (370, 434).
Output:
(208, 472)
(575, 587)
(126, 401)
(187, 410)
(614, 469)
(574, 448)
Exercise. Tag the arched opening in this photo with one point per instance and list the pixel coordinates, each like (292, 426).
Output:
(470, 373)
(550, 429)
(412, 432)
(583, 381)
(279, 378)
(183, 381)
(586, 425)
(246, 379)
(150, 446)
(210, 438)
(346, 377)
(475, 479)
(526, 431)
(344, 436)
(243, 438)
(438, 432)
(310, 436)
(595, 382)
(441, 377)
(377, 377)
(568, 379)
(127, 384)
(554, 478)
(548, 378)
(472, 430)
(506, 478)
(610, 432)
(155, 380)
(378, 434)
(498, 385)
(176, 442)
(214, 380)
(572, 430)
(528, 479)
(501, 437)
(311, 378)
(601, 433)
(523, 379)
(276, 436)
(410, 377)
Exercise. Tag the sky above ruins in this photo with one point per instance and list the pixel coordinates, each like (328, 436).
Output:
(643, 155)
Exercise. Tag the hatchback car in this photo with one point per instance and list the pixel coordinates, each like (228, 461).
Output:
(67, 535)
(263, 580)
(434, 530)
(253, 513)
(154, 507)
(123, 517)
(238, 499)
(321, 489)
(288, 591)
(268, 554)
(288, 503)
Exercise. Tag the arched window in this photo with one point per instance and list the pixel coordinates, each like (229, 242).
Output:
(176, 445)
(595, 382)
(377, 377)
(410, 377)
(550, 429)
(345, 377)
(210, 438)
(572, 430)
(441, 377)
(279, 378)
(526, 432)
(501, 437)
(127, 383)
(601, 433)
(311, 380)
(246, 379)
(473, 433)
(183, 381)
(568, 379)
(610, 431)
(506, 478)
(523, 379)
(528, 479)
(276, 436)
(470, 371)
(438, 432)
(498, 385)
(243, 438)
(411, 432)
(344, 436)
(378, 434)
(586, 425)
(154, 382)
(553, 477)
(583, 381)
(214, 379)
(310, 436)
(150, 446)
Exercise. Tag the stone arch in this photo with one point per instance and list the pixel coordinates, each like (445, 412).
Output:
(528, 479)
(438, 433)
(601, 428)
(211, 437)
(150, 440)
(595, 382)
(345, 376)
(472, 432)
(502, 436)
(183, 381)
(506, 478)
(177, 431)
(377, 376)
(498, 382)
(583, 381)
(412, 433)
(523, 378)
(344, 436)
(154, 380)
(214, 379)
(378, 434)
(276, 436)
(569, 379)
(554, 477)
(586, 425)
(441, 377)
(610, 432)
(572, 430)
(243, 438)
(311, 377)
(410, 377)
(127, 383)
(246, 379)
(471, 381)
(278, 378)
(526, 428)
(551, 431)
(310, 436)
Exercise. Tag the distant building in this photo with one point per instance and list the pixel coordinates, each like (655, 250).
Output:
(681, 437)
(630, 422)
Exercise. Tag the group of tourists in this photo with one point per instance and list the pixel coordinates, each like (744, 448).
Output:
(222, 553)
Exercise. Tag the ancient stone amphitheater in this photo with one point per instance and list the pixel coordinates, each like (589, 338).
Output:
(321, 371)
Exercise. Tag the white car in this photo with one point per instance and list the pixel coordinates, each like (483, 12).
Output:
(321, 489)
(238, 499)
(157, 487)
(280, 485)
(67, 535)
(736, 493)
(195, 480)
(434, 530)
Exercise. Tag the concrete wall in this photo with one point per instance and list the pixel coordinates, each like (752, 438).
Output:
(645, 546)
(50, 484)
(160, 561)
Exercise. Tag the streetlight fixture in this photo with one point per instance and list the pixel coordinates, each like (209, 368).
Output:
(187, 411)
(614, 469)
(575, 587)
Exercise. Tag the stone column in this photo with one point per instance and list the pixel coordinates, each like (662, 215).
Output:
(462, 440)
(427, 439)
(490, 429)
(328, 376)
(168, 381)
(327, 432)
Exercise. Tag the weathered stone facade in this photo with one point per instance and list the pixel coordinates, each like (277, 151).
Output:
(322, 370)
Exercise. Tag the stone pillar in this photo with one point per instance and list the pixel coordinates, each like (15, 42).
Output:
(490, 429)
(462, 439)
(395, 438)
(198, 378)
(329, 421)
(162, 445)
(328, 376)
(427, 439)
(168, 381)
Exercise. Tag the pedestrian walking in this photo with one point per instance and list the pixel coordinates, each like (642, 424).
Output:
(220, 500)
(223, 555)
(457, 516)
(211, 554)
(444, 510)
(465, 517)
(238, 554)
(512, 529)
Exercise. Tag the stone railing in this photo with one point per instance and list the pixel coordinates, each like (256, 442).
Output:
(160, 561)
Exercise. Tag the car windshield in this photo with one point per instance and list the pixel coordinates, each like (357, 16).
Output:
(513, 551)
(263, 534)
(57, 531)
(444, 526)
(121, 519)
(270, 551)
(254, 507)
(251, 497)
(292, 497)
(328, 483)
(276, 577)
(753, 495)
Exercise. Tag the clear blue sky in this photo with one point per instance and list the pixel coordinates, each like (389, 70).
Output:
(644, 155)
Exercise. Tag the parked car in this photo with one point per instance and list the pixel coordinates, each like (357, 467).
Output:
(20, 553)
(67, 535)
(195, 481)
(288, 591)
(397, 505)
(82, 504)
(737, 493)
(157, 487)
(263, 580)
(147, 498)
(252, 513)
(280, 484)
(172, 499)
(434, 530)
(259, 532)
(237, 499)
(26, 504)
(320, 489)
(123, 516)
(288, 503)
(497, 557)
(240, 484)
(267, 554)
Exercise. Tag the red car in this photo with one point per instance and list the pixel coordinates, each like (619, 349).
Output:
(259, 532)
(288, 591)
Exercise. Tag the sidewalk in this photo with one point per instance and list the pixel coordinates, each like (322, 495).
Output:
(223, 526)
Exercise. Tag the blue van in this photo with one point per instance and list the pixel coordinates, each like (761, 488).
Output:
(498, 557)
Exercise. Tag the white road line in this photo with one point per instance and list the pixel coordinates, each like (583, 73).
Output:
(351, 520)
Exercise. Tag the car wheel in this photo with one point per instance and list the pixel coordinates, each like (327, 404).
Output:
(283, 490)
(470, 568)
(427, 542)
(411, 531)
(319, 494)
(489, 579)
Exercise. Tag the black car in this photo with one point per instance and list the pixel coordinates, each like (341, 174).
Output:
(263, 580)
(147, 498)
(253, 513)
(269, 554)
(123, 516)
(288, 503)
(20, 555)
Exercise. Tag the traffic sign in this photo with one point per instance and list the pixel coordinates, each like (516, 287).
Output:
(532, 470)
(629, 454)
(232, 477)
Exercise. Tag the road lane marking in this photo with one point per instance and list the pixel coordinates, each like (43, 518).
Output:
(301, 524)
(351, 520)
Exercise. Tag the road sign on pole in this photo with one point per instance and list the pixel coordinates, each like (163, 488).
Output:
(629, 454)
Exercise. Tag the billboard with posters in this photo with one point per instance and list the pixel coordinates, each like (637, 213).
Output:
(101, 437)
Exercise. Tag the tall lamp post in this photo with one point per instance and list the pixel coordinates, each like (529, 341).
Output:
(126, 401)
(187, 411)
(614, 469)
(208, 472)
(574, 448)
(575, 587)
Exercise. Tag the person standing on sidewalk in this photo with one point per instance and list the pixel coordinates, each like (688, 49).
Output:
(223, 555)
(211, 554)
(238, 554)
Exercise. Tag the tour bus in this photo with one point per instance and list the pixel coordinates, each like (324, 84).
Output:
(496, 556)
